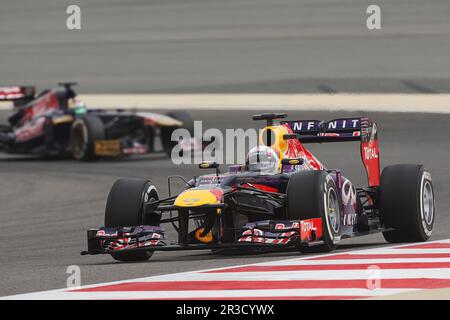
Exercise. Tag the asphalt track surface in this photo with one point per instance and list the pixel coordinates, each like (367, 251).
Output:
(262, 46)
(47, 206)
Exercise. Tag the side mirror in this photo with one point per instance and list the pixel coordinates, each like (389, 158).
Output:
(291, 162)
(210, 165)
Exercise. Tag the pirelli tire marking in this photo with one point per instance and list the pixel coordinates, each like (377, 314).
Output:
(332, 211)
(427, 203)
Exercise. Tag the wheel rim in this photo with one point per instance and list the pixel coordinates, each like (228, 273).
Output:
(427, 202)
(333, 210)
(150, 196)
(78, 141)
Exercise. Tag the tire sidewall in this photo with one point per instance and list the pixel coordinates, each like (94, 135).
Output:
(331, 236)
(307, 198)
(80, 123)
(426, 228)
(93, 129)
(137, 210)
(402, 205)
(150, 193)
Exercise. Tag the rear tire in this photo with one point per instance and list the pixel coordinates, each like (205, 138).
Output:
(83, 134)
(407, 203)
(313, 194)
(125, 208)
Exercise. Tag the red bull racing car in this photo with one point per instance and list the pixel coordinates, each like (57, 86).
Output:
(56, 123)
(283, 196)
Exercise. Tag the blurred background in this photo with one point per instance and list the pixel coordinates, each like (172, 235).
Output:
(232, 46)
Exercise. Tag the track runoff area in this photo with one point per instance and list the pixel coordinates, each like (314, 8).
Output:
(410, 271)
(394, 102)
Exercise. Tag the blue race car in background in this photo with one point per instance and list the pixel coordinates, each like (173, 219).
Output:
(55, 123)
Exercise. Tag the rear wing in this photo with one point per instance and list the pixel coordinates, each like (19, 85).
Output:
(344, 129)
(18, 94)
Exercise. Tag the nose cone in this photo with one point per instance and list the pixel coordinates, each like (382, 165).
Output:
(195, 197)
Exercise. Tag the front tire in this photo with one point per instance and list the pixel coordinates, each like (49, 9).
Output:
(125, 207)
(407, 203)
(313, 194)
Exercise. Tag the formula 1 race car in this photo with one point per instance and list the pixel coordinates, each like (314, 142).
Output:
(281, 197)
(55, 123)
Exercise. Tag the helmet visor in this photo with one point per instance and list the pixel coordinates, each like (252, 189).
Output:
(262, 161)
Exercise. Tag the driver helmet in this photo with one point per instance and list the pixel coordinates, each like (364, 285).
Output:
(75, 103)
(262, 159)
(78, 106)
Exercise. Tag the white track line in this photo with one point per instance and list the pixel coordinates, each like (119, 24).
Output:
(217, 294)
(308, 275)
(355, 261)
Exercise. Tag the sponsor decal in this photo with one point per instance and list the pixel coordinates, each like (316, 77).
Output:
(311, 229)
(349, 219)
(348, 193)
(279, 226)
(191, 200)
(107, 147)
(100, 233)
(305, 125)
(307, 226)
(329, 134)
(11, 93)
(316, 125)
(344, 124)
(370, 153)
(209, 180)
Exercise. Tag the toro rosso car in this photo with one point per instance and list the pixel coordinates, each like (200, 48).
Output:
(55, 123)
(283, 196)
